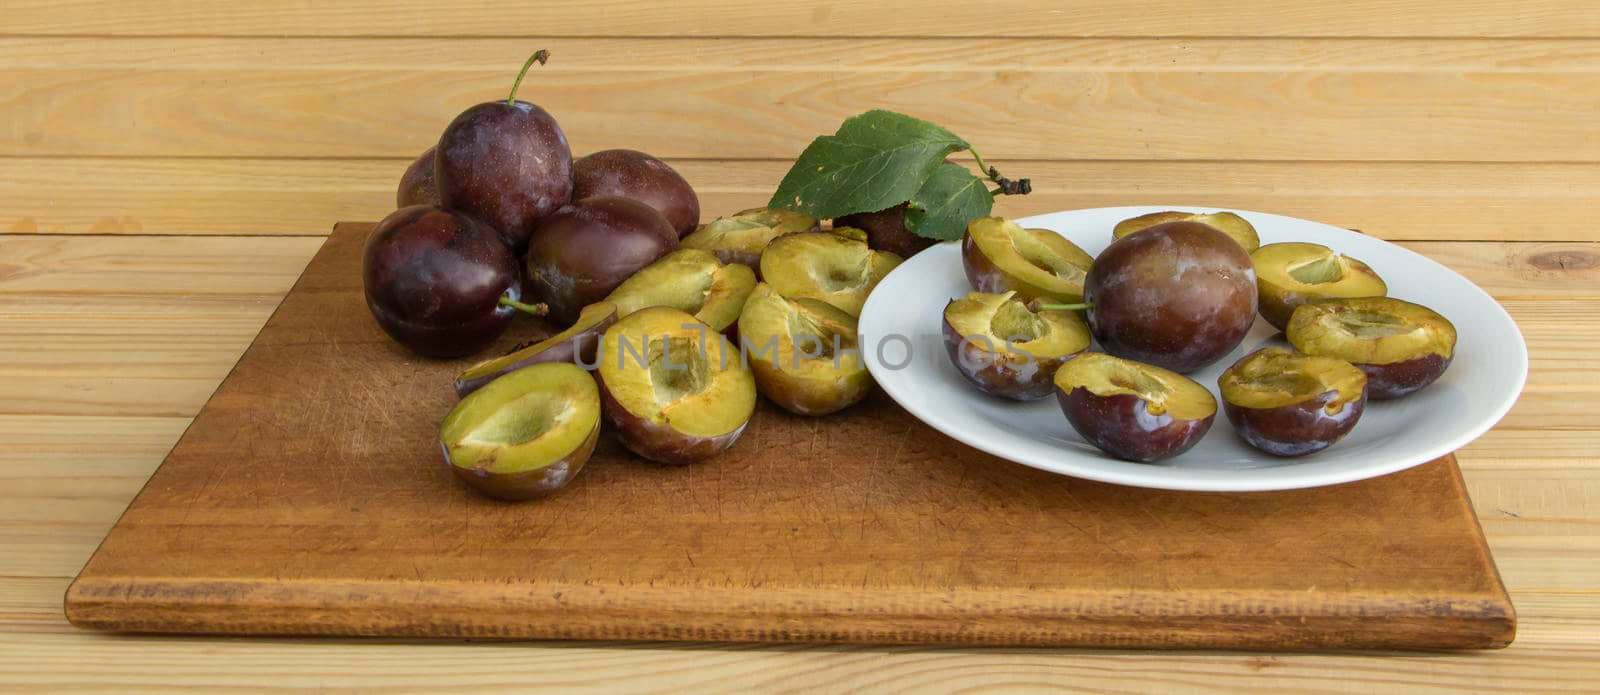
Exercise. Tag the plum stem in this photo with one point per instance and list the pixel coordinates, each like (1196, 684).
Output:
(1063, 307)
(542, 56)
(1006, 186)
(529, 309)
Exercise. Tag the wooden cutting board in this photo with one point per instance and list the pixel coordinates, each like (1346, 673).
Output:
(308, 497)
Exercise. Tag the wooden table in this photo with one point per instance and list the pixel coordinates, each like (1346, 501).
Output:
(167, 169)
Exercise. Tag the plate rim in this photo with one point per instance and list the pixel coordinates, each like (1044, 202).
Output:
(1273, 478)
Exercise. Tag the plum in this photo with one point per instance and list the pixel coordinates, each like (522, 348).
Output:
(1402, 347)
(636, 175)
(1289, 404)
(506, 163)
(440, 283)
(803, 352)
(1178, 295)
(585, 250)
(674, 390)
(416, 185)
(1008, 349)
(886, 231)
(1000, 256)
(692, 281)
(525, 434)
(835, 267)
(742, 236)
(1133, 411)
(1237, 228)
(1293, 273)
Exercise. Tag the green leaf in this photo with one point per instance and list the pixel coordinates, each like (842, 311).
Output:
(944, 205)
(876, 160)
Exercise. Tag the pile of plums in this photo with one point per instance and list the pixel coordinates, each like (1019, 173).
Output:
(671, 327)
(1174, 292)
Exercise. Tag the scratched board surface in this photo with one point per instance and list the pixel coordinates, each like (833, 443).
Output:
(308, 498)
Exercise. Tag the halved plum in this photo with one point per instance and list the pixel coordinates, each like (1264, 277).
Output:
(1401, 346)
(692, 281)
(1000, 256)
(836, 267)
(1008, 349)
(1237, 228)
(525, 434)
(742, 236)
(1289, 404)
(1293, 273)
(575, 344)
(674, 390)
(1131, 410)
(803, 352)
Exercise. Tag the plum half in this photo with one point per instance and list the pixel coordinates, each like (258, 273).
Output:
(1401, 346)
(1237, 228)
(742, 236)
(576, 344)
(1000, 256)
(1178, 295)
(1293, 273)
(834, 267)
(1008, 349)
(1289, 404)
(803, 352)
(1133, 411)
(585, 250)
(674, 390)
(636, 175)
(525, 434)
(692, 281)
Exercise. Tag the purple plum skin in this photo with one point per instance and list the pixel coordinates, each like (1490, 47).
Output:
(1121, 425)
(1298, 429)
(1015, 377)
(581, 253)
(416, 185)
(434, 278)
(508, 165)
(886, 231)
(1178, 295)
(1400, 379)
(636, 175)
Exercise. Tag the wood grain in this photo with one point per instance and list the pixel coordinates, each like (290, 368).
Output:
(63, 477)
(1396, 18)
(315, 520)
(1531, 488)
(1392, 200)
(120, 326)
(293, 106)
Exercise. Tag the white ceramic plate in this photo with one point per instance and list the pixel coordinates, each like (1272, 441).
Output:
(1490, 366)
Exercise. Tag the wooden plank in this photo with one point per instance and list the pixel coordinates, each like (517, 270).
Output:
(392, 106)
(1392, 200)
(863, 54)
(1398, 18)
(147, 327)
(65, 479)
(76, 662)
(244, 530)
(94, 663)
